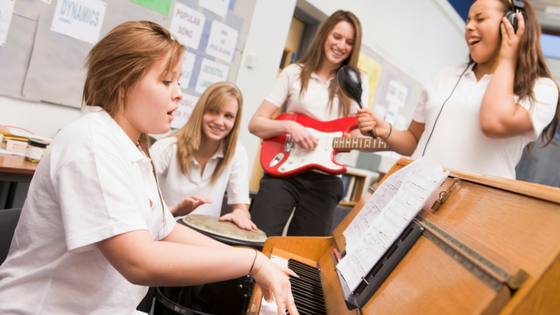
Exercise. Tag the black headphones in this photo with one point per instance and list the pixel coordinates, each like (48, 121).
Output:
(516, 7)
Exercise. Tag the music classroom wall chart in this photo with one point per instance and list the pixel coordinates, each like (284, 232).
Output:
(222, 41)
(188, 64)
(187, 24)
(80, 19)
(210, 73)
(183, 113)
(219, 7)
(6, 11)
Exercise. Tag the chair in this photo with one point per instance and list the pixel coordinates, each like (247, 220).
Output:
(8, 222)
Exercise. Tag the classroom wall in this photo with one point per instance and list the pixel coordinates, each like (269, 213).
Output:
(422, 36)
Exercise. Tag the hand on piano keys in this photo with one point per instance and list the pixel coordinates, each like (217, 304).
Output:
(275, 284)
(306, 288)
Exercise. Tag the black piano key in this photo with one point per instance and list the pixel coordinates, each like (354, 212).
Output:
(307, 290)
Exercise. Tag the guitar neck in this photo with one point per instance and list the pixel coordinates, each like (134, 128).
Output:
(349, 143)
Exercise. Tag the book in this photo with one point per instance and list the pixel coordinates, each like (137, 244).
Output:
(348, 192)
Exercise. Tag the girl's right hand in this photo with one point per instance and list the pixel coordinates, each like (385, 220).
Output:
(302, 137)
(368, 120)
(275, 284)
(188, 205)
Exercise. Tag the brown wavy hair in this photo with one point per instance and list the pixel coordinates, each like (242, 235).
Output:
(121, 59)
(190, 135)
(314, 57)
(531, 66)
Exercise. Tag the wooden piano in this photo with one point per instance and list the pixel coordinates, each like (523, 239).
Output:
(492, 247)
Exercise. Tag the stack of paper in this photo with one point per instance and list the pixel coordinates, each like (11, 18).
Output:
(385, 216)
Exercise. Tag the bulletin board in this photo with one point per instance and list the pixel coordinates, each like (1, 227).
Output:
(41, 64)
(394, 92)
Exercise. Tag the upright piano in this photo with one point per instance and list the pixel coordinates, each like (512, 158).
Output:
(489, 246)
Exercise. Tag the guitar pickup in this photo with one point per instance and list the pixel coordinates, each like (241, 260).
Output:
(289, 144)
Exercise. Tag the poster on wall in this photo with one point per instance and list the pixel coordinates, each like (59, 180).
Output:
(188, 64)
(222, 41)
(6, 11)
(372, 69)
(160, 6)
(219, 7)
(79, 19)
(182, 114)
(396, 93)
(210, 73)
(187, 24)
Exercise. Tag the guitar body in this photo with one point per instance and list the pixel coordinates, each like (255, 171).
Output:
(279, 160)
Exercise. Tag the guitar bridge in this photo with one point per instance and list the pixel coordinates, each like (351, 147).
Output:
(289, 144)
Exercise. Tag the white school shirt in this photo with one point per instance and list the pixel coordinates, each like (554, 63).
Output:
(92, 184)
(457, 141)
(175, 186)
(313, 102)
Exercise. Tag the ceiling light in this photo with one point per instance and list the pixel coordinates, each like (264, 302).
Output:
(552, 12)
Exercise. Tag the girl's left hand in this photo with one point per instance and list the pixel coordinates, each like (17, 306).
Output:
(511, 39)
(240, 218)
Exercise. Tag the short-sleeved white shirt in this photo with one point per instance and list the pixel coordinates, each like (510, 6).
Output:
(313, 102)
(175, 186)
(457, 141)
(92, 184)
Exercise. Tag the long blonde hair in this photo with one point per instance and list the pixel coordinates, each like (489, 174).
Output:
(316, 54)
(121, 59)
(190, 135)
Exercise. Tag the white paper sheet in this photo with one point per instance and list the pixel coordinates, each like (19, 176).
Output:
(80, 19)
(187, 24)
(421, 179)
(210, 73)
(184, 111)
(188, 64)
(222, 41)
(219, 7)
(6, 12)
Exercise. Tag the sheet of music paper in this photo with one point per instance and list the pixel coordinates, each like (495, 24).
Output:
(388, 212)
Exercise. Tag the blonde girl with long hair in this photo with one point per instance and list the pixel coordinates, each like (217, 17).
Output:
(480, 116)
(308, 87)
(198, 163)
(94, 231)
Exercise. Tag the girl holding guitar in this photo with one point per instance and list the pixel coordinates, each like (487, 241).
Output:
(308, 87)
(203, 159)
(494, 106)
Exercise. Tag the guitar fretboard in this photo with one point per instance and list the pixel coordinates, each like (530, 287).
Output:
(349, 143)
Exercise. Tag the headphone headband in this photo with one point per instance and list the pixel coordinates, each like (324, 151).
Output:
(516, 4)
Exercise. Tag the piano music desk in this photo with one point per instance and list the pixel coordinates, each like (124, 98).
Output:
(492, 248)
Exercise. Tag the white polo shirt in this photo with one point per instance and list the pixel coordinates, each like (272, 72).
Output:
(313, 102)
(92, 184)
(175, 186)
(458, 141)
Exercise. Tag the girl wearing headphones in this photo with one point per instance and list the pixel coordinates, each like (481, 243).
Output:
(203, 159)
(308, 87)
(480, 117)
(94, 231)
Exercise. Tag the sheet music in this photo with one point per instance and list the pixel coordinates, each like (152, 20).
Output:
(378, 201)
(418, 183)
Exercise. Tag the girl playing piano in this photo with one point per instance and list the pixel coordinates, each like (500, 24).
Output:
(94, 231)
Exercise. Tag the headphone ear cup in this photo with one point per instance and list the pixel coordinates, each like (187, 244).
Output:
(512, 18)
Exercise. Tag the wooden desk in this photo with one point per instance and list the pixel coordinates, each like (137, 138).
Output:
(14, 169)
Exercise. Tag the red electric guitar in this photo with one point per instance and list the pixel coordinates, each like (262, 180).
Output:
(282, 157)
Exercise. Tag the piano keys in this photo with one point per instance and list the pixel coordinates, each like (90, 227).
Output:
(493, 247)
